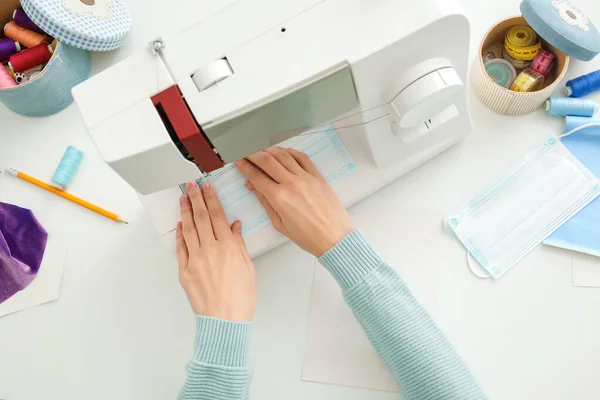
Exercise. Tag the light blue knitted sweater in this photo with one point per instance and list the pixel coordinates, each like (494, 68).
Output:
(414, 349)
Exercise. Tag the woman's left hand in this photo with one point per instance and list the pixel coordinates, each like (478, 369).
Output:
(215, 269)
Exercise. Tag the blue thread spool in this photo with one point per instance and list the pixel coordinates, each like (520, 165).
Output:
(566, 106)
(501, 71)
(583, 85)
(68, 167)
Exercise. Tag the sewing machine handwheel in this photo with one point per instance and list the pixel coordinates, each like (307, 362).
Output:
(426, 97)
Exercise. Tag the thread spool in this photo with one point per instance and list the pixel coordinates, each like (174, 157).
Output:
(543, 62)
(33, 73)
(6, 79)
(566, 106)
(518, 64)
(11, 72)
(8, 47)
(528, 81)
(31, 58)
(492, 52)
(21, 19)
(583, 85)
(68, 167)
(29, 75)
(501, 71)
(521, 42)
(20, 78)
(22, 35)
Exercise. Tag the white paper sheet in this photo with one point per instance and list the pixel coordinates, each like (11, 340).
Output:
(585, 270)
(46, 285)
(337, 350)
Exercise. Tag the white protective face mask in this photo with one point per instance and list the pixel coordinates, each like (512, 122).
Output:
(326, 151)
(543, 191)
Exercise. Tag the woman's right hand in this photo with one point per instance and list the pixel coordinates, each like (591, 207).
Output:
(300, 202)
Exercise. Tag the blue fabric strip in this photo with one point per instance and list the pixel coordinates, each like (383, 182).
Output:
(582, 232)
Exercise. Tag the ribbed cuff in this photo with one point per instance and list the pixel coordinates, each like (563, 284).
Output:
(351, 259)
(222, 342)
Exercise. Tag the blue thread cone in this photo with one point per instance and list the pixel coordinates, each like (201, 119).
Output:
(566, 106)
(68, 167)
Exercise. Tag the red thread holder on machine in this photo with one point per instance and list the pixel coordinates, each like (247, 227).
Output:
(182, 126)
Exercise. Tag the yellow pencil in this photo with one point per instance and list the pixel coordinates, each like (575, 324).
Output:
(65, 195)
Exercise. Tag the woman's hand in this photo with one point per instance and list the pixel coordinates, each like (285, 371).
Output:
(215, 269)
(298, 199)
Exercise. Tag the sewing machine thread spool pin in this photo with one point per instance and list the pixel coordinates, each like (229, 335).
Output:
(157, 45)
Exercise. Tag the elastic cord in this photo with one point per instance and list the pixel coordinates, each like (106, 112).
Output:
(474, 271)
(578, 129)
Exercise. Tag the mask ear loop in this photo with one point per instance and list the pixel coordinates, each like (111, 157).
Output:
(475, 271)
(579, 128)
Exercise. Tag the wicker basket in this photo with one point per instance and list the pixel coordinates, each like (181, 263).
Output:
(505, 101)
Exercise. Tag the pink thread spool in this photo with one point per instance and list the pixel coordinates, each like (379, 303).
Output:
(6, 80)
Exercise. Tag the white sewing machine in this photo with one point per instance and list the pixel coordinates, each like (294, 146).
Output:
(389, 74)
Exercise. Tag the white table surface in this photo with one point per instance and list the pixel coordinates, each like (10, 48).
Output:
(122, 328)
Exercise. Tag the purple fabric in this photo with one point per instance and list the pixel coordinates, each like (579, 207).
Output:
(22, 245)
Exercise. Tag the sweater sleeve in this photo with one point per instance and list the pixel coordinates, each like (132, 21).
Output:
(220, 369)
(414, 349)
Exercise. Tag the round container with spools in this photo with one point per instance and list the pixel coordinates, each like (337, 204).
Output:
(562, 29)
(77, 26)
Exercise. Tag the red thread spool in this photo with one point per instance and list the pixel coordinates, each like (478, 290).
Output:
(31, 58)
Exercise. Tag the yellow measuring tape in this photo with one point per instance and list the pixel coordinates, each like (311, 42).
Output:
(521, 42)
(518, 64)
(528, 81)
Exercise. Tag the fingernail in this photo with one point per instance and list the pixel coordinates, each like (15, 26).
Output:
(191, 186)
(206, 187)
(249, 186)
(184, 200)
(238, 228)
(179, 226)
